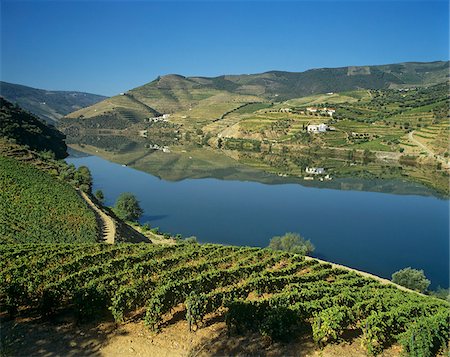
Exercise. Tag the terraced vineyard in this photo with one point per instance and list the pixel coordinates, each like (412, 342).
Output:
(36, 207)
(276, 293)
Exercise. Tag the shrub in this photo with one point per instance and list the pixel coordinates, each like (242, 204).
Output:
(146, 227)
(99, 195)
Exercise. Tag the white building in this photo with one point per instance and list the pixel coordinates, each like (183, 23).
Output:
(328, 111)
(321, 128)
(315, 170)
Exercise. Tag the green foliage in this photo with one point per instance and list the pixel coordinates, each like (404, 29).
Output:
(275, 293)
(411, 278)
(328, 324)
(26, 129)
(146, 226)
(190, 240)
(425, 337)
(83, 177)
(36, 207)
(441, 293)
(292, 243)
(99, 195)
(127, 207)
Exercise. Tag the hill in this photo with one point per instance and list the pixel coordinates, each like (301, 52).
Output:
(208, 98)
(47, 105)
(26, 129)
(39, 202)
(279, 295)
(373, 133)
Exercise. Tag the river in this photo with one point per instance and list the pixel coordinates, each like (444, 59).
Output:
(371, 231)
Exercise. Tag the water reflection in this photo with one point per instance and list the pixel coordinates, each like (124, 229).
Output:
(307, 169)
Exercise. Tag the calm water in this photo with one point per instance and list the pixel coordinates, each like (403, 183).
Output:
(375, 232)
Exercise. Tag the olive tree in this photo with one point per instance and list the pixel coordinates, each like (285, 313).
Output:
(411, 278)
(127, 207)
(293, 243)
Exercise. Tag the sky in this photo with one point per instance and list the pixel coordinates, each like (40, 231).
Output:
(107, 47)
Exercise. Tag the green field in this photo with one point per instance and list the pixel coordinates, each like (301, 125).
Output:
(36, 207)
(278, 294)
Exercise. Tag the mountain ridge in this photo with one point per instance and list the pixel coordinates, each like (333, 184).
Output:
(213, 96)
(49, 105)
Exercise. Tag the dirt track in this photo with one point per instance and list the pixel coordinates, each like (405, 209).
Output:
(425, 148)
(108, 226)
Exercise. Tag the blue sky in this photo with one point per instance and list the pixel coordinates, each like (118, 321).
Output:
(107, 47)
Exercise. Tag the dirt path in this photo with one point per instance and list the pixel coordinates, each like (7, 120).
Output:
(108, 226)
(430, 152)
(367, 275)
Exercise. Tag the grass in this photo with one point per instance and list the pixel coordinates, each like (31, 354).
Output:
(374, 145)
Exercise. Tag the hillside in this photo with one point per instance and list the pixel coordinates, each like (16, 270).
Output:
(26, 129)
(176, 94)
(279, 295)
(39, 202)
(372, 133)
(47, 105)
(36, 207)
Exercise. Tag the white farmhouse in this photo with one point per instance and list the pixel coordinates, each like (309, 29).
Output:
(321, 128)
(315, 170)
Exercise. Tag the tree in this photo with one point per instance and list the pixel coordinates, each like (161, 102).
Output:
(127, 207)
(83, 177)
(99, 195)
(293, 243)
(411, 278)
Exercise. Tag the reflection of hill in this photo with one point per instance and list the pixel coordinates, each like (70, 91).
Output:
(193, 162)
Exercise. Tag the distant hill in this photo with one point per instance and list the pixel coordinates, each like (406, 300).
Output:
(202, 98)
(48, 105)
(287, 85)
(26, 129)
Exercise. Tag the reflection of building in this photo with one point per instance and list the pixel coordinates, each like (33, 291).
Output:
(321, 128)
(158, 147)
(315, 170)
(143, 133)
(163, 117)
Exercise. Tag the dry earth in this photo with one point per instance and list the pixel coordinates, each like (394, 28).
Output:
(63, 337)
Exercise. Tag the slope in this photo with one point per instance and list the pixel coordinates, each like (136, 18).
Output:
(191, 98)
(280, 295)
(47, 105)
(26, 129)
(36, 207)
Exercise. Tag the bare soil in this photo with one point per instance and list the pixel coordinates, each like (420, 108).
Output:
(62, 336)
